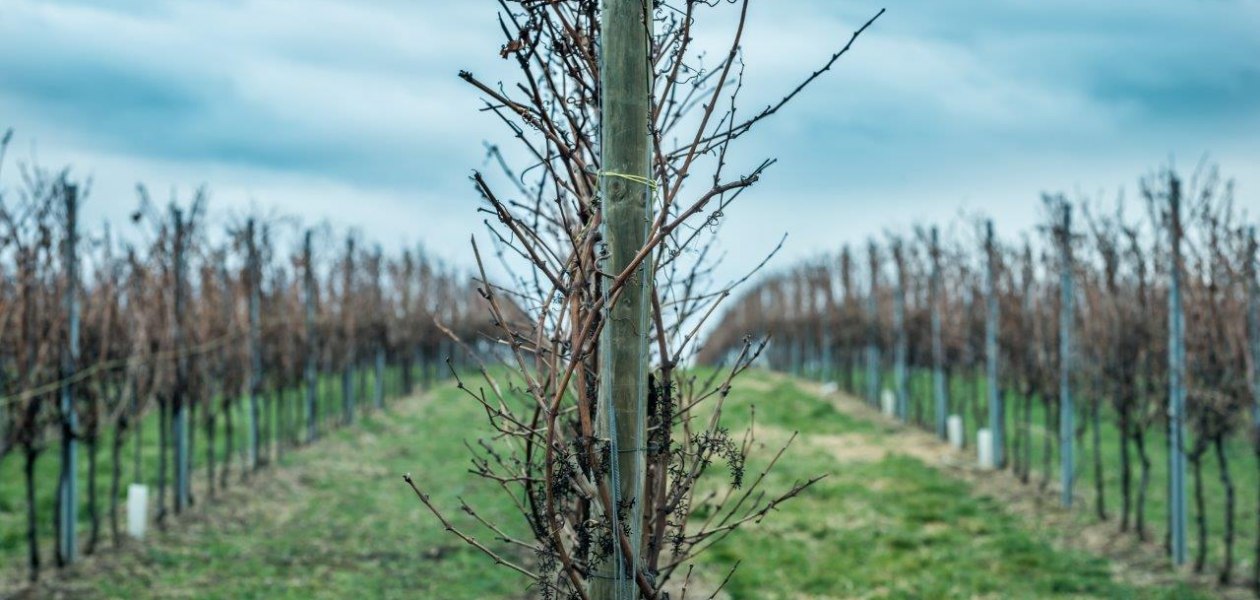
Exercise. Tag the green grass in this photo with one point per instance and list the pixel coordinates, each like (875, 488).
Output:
(1243, 466)
(336, 521)
(13, 545)
(892, 528)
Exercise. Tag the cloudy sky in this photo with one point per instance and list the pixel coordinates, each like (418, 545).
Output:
(351, 111)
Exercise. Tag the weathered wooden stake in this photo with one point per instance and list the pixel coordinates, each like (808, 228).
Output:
(900, 350)
(407, 355)
(626, 149)
(938, 348)
(68, 496)
(255, 341)
(312, 344)
(1253, 335)
(1176, 386)
(179, 397)
(1067, 413)
(231, 397)
(347, 369)
(872, 331)
(378, 389)
(997, 411)
(850, 351)
(826, 371)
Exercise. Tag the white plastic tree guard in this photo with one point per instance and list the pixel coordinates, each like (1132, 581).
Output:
(137, 509)
(888, 402)
(955, 426)
(984, 448)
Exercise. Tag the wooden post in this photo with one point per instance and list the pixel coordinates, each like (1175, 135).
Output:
(938, 347)
(230, 397)
(179, 397)
(872, 332)
(793, 312)
(379, 378)
(1028, 312)
(1253, 336)
(1253, 328)
(900, 351)
(1176, 385)
(406, 354)
(1067, 413)
(626, 148)
(347, 317)
(827, 318)
(312, 344)
(997, 411)
(255, 340)
(68, 496)
(850, 351)
(378, 390)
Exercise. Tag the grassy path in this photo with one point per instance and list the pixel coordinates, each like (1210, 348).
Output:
(896, 519)
(336, 521)
(139, 461)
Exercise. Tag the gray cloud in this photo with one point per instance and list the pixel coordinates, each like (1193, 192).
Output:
(941, 106)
